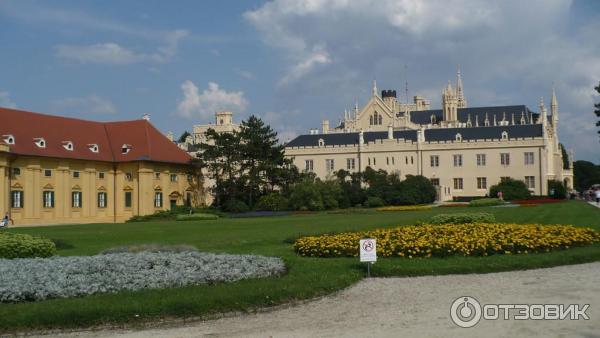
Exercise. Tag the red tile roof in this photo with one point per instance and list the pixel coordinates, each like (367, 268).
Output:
(147, 143)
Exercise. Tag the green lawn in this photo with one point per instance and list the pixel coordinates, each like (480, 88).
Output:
(306, 277)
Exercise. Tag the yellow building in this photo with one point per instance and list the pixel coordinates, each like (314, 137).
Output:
(63, 170)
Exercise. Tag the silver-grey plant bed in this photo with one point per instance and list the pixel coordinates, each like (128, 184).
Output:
(27, 279)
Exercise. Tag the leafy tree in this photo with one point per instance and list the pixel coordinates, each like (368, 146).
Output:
(183, 136)
(565, 156)
(597, 106)
(585, 175)
(511, 189)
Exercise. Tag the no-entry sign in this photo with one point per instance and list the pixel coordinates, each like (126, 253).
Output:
(368, 250)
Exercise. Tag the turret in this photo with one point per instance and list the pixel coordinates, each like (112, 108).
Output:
(325, 126)
(389, 98)
(449, 104)
(390, 132)
(554, 108)
(223, 118)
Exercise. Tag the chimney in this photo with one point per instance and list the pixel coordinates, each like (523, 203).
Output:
(146, 117)
(325, 126)
(170, 136)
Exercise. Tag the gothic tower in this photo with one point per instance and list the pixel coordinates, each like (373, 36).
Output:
(449, 104)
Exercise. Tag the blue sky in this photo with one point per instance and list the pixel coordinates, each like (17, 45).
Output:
(296, 62)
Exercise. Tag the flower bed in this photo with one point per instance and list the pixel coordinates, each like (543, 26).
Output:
(404, 208)
(537, 201)
(61, 277)
(479, 239)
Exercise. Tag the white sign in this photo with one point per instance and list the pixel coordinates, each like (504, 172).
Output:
(368, 250)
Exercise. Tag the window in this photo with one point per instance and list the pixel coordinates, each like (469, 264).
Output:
(329, 165)
(458, 137)
(76, 199)
(480, 160)
(387, 160)
(321, 142)
(435, 182)
(308, 165)
(101, 175)
(102, 200)
(458, 183)
(76, 174)
(530, 182)
(68, 145)
(374, 161)
(93, 148)
(412, 160)
(505, 159)
(482, 183)
(188, 199)
(128, 176)
(126, 148)
(158, 200)
(128, 199)
(393, 160)
(40, 142)
(157, 176)
(529, 158)
(350, 163)
(173, 177)
(369, 160)
(434, 160)
(16, 199)
(16, 172)
(457, 160)
(504, 135)
(48, 199)
(9, 139)
(48, 173)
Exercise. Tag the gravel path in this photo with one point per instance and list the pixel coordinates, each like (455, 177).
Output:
(419, 307)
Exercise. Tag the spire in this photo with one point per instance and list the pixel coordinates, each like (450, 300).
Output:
(355, 109)
(462, 103)
(512, 119)
(374, 93)
(554, 106)
(477, 120)
(522, 117)
(543, 112)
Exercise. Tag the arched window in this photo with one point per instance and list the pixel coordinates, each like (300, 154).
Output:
(458, 137)
(505, 135)
(321, 142)
(371, 120)
(380, 119)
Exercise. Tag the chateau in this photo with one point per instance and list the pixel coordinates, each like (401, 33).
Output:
(55, 169)
(462, 150)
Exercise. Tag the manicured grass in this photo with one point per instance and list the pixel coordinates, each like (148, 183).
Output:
(270, 236)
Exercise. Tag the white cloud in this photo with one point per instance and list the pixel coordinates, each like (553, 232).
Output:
(6, 101)
(88, 105)
(196, 105)
(113, 53)
(510, 52)
(246, 74)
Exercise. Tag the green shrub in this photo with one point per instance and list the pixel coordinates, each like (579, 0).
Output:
(374, 202)
(196, 217)
(511, 189)
(485, 202)
(272, 202)
(25, 246)
(556, 189)
(236, 206)
(463, 218)
(306, 196)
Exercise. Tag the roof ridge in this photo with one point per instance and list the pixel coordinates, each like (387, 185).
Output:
(50, 115)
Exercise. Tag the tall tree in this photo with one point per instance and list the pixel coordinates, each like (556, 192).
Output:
(597, 106)
(183, 136)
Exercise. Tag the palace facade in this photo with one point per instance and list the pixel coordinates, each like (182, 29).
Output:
(55, 169)
(462, 150)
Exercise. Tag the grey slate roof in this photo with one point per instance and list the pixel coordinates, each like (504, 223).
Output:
(348, 138)
(493, 132)
(424, 116)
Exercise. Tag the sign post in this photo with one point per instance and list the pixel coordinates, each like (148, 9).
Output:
(368, 253)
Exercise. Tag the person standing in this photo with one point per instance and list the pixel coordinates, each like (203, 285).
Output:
(598, 197)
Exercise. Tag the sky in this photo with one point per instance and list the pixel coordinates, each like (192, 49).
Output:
(296, 62)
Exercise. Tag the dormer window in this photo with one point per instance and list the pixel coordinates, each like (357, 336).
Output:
(93, 148)
(505, 135)
(458, 137)
(40, 142)
(8, 139)
(126, 148)
(321, 142)
(68, 145)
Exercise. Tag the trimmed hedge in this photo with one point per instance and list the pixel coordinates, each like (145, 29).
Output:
(196, 217)
(511, 189)
(463, 218)
(25, 246)
(485, 202)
